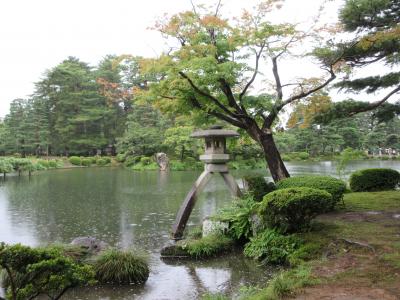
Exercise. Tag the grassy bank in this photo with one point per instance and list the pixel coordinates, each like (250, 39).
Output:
(353, 252)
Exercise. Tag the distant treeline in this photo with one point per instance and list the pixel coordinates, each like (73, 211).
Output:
(77, 109)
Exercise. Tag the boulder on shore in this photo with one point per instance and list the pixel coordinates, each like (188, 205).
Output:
(162, 161)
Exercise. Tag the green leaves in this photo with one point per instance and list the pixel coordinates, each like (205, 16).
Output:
(32, 272)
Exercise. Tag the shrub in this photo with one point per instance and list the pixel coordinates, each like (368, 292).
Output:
(121, 267)
(258, 187)
(86, 161)
(120, 157)
(107, 159)
(292, 209)
(53, 164)
(75, 160)
(208, 246)
(303, 155)
(271, 247)
(131, 160)
(145, 160)
(43, 163)
(101, 162)
(5, 166)
(368, 180)
(41, 271)
(239, 217)
(333, 186)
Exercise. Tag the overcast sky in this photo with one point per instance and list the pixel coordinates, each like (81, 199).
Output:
(37, 35)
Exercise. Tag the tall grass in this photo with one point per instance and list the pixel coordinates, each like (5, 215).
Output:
(121, 267)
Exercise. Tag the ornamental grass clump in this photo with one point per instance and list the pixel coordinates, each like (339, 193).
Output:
(121, 267)
(291, 210)
(333, 186)
(371, 180)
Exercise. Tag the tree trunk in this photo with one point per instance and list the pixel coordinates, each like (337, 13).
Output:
(272, 156)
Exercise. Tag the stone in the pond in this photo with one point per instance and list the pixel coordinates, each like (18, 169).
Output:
(90, 243)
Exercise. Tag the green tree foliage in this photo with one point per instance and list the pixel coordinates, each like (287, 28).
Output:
(144, 134)
(215, 63)
(376, 27)
(33, 272)
(178, 139)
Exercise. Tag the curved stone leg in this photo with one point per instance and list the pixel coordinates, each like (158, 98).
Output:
(232, 184)
(188, 204)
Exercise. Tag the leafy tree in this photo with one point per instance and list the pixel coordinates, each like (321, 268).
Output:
(215, 63)
(144, 133)
(178, 139)
(77, 112)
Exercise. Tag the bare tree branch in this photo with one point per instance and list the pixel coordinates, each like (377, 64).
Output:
(207, 95)
(277, 108)
(258, 55)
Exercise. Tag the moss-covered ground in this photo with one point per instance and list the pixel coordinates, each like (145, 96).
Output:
(353, 253)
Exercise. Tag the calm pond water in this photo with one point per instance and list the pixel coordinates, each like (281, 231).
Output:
(133, 210)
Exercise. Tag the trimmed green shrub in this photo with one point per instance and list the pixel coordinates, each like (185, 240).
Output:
(101, 162)
(75, 160)
(121, 267)
(107, 159)
(208, 246)
(86, 161)
(291, 210)
(120, 157)
(40, 271)
(369, 180)
(53, 164)
(332, 185)
(303, 155)
(258, 187)
(271, 247)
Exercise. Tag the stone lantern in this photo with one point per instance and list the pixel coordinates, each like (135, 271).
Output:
(215, 159)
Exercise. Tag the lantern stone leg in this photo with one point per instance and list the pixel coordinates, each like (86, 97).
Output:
(232, 185)
(187, 206)
(215, 159)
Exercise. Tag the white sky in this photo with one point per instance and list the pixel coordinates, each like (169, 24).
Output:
(37, 35)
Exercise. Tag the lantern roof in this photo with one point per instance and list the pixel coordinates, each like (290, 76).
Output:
(214, 131)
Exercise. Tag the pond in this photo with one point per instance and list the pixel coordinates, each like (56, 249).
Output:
(133, 210)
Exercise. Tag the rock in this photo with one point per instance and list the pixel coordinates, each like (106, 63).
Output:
(173, 251)
(214, 227)
(162, 161)
(92, 244)
(257, 224)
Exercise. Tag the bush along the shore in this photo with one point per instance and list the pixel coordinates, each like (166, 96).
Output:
(30, 272)
(272, 247)
(370, 180)
(121, 267)
(291, 210)
(239, 216)
(20, 165)
(258, 187)
(333, 186)
(75, 160)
